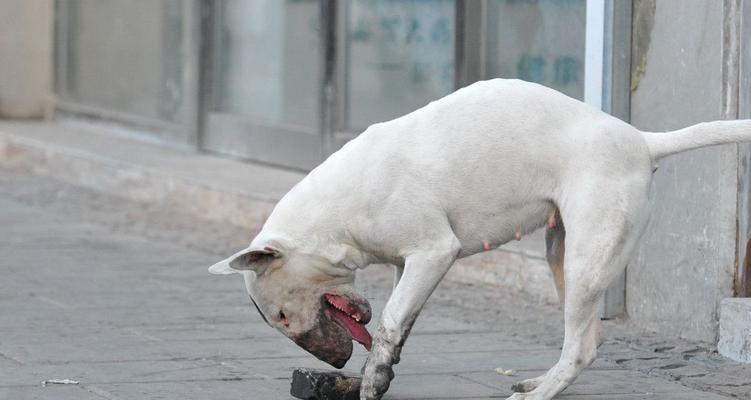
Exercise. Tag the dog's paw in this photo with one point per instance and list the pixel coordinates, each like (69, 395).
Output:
(377, 372)
(376, 379)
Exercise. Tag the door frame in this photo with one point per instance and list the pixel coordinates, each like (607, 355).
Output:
(737, 74)
(608, 87)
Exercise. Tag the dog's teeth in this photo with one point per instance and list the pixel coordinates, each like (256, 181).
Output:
(340, 308)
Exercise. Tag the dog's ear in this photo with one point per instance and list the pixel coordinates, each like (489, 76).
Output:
(256, 260)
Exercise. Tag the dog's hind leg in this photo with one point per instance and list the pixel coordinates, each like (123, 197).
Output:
(555, 236)
(602, 232)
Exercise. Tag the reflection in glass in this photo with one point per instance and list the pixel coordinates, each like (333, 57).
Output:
(538, 40)
(125, 56)
(269, 61)
(400, 57)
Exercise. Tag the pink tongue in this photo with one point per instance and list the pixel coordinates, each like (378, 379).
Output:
(357, 331)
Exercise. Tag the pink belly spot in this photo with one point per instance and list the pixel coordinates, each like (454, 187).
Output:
(518, 235)
(485, 245)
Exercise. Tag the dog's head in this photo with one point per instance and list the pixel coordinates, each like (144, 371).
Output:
(306, 297)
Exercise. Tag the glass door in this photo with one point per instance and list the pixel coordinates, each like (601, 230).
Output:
(293, 80)
(136, 63)
(265, 75)
(538, 41)
(395, 56)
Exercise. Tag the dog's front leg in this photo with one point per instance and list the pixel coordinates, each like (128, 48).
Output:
(422, 272)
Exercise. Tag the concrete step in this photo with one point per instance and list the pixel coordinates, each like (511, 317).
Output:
(212, 187)
(735, 329)
(218, 189)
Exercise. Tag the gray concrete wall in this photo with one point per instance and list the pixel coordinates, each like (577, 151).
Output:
(685, 265)
(25, 57)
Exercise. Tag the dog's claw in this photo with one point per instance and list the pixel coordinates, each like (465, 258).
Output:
(523, 387)
(527, 385)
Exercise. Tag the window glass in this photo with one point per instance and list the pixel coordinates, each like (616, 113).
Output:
(538, 40)
(125, 56)
(400, 57)
(269, 60)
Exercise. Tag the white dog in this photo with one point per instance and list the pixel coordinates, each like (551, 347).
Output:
(464, 174)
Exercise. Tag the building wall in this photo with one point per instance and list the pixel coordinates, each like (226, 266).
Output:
(685, 265)
(25, 58)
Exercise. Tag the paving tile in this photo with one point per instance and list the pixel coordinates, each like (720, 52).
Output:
(114, 372)
(590, 382)
(694, 395)
(439, 387)
(202, 389)
(460, 341)
(538, 359)
(51, 392)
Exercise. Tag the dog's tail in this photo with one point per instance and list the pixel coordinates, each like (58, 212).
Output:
(662, 144)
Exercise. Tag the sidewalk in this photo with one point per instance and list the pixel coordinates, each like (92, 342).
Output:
(115, 294)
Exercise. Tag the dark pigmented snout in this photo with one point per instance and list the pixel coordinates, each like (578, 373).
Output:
(327, 341)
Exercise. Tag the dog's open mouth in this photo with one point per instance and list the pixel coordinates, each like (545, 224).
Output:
(350, 315)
